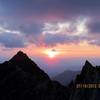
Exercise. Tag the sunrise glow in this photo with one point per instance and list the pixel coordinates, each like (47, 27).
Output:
(51, 53)
(51, 32)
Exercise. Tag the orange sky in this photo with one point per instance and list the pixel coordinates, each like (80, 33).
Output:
(70, 50)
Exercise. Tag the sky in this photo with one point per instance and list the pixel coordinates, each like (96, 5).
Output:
(57, 34)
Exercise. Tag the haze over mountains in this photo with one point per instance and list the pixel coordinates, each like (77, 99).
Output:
(66, 77)
(21, 78)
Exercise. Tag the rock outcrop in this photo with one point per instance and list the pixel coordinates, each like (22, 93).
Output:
(86, 86)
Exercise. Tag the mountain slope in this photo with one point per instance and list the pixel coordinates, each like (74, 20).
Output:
(66, 77)
(21, 78)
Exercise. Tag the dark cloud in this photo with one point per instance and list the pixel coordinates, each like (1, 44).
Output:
(52, 40)
(95, 41)
(41, 8)
(24, 28)
(29, 16)
(31, 28)
(94, 27)
(10, 40)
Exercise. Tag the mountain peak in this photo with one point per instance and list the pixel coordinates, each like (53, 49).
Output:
(19, 56)
(88, 66)
(87, 63)
(20, 52)
(87, 69)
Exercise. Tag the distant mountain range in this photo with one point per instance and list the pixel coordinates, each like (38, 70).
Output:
(22, 79)
(66, 77)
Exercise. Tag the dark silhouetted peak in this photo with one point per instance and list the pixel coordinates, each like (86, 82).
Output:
(87, 67)
(20, 56)
(22, 79)
(87, 73)
(22, 61)
(20, 53)
(87, 63)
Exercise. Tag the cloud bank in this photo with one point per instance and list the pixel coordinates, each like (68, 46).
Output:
(49, 22)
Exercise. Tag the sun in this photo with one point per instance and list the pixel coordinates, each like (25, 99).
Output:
(52, 53)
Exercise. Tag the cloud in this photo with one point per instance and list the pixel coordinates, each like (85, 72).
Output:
(10, 40)
(33, 28)
(75, 27)
(21, 28)
(56, 28)
(49, 22)
(49, 33)
(53, 40)
(68, 32)
(4, 30)
(94, 41)
(14, 36)
(94, 27)
(46, 9)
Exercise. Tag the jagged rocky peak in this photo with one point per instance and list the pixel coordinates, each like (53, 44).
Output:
(87, 74)
(87, 67)
(22, 61)
(87, 63)
(20, 56)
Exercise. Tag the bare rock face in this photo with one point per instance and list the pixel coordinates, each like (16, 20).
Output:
(89, 75)
(22, 79)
